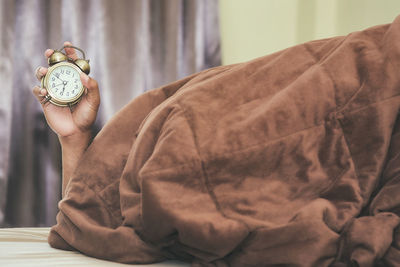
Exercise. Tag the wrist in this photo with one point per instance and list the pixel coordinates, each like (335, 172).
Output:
(76, 140)
(73, 147)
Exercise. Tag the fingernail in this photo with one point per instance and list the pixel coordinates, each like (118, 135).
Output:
(43, 92)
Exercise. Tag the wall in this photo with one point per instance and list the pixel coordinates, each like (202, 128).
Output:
(253, 28)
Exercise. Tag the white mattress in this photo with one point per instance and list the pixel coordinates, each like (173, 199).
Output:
(29, 247)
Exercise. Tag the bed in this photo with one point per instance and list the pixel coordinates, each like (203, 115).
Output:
(291, 159)
(29, 247)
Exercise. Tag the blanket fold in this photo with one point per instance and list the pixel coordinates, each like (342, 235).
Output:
(291, 159)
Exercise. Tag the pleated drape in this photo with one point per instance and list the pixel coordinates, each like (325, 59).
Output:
(133, 46)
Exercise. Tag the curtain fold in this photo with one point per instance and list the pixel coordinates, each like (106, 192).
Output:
(133, 46)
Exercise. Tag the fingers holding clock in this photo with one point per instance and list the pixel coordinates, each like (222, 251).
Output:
(40, 94)
(40, 72)
(37, 93)
(93, 93)
(71, 53)
(91, 96)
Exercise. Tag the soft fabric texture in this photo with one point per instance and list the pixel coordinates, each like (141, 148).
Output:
(288, 160)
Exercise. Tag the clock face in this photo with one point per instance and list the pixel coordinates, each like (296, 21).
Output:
(64, 83)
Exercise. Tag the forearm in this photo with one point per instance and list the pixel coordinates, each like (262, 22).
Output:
(73, 148)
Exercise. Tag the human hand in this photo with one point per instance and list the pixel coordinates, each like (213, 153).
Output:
(64, 121)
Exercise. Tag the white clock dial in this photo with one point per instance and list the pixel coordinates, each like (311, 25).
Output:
(64, 82)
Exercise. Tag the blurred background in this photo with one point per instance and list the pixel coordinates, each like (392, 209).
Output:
(134, 46)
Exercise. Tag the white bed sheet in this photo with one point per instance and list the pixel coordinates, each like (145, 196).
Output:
(29, 247)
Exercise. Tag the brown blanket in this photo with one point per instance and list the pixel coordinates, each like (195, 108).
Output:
(292, 159)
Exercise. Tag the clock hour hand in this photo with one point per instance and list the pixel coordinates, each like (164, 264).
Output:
(58, 77)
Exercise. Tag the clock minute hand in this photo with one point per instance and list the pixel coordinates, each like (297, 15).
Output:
(64, 84)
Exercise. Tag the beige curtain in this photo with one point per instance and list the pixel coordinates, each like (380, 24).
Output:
(133, 46)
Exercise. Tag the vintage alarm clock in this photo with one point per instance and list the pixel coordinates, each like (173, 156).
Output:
(62, 80)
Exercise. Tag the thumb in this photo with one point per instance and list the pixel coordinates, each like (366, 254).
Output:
(93, 93)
